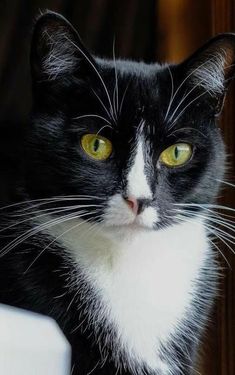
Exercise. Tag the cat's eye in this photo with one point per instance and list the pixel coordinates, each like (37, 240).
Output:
(97, 147)
(176, 155)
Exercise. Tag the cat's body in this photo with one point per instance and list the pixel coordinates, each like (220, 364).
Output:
(137, 303)
(117, 249)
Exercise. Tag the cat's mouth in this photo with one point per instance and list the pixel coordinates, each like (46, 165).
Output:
(126, 213)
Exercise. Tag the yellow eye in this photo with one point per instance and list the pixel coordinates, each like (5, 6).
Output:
(176, 155)
(97, 147)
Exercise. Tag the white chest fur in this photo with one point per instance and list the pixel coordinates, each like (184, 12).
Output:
(146, 281)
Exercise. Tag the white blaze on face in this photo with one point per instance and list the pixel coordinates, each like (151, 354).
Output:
(137, 184)
(118, 213)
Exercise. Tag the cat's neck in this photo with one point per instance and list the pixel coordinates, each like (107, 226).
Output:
(146, 282)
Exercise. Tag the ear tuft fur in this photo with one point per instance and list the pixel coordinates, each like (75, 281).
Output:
(213, 64)
(56, 47)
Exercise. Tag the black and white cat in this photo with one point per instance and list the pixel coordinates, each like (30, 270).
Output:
(122, 164)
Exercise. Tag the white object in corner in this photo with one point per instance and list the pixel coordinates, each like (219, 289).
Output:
(31, 344)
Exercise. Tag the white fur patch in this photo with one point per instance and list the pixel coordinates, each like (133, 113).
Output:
(148, 217)
(146, 281)
(137, 185)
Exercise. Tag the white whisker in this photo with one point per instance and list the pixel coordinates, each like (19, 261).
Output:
(186, 78)
(44, 213)
(123, 97)
(54, 209)
(187, 128)
(183, 99)
(172, 93)
(208, 205)
(184, 109)
(225, 182)
(48, 200)
(31, 232)
(96, 116)
(103, 127)
(184, 219)
(98, 74)
(115, 92)
(102, 104)
(62, 234)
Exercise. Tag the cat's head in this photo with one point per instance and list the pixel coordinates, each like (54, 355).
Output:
(131, 141)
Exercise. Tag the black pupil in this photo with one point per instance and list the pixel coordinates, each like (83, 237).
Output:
(176, 152)
(96, 145)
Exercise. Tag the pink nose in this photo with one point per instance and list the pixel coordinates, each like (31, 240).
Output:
(133, 204)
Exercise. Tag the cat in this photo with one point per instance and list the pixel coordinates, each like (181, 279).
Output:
(121, 168)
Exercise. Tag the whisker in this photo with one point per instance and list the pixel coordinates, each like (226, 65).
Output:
(184, 109)
(62, 234)
(187, 128)
(45, 213)
(172, 92)
(31, 232)
(96, 71)
(102, 104)
(219, 250)
(181, 101)
(186, 78)
(96, 116)
(215, 217)
(219, 233)
(222, 235)
(65, 200)
(184, 97)
(225, 182)
(103, 127)
(123, 97)
(216, 206)
(54, 209)
(183, 219)
(115, 93)
(52, 199)
(221, 215)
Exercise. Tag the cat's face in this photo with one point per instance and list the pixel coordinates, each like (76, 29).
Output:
(134, 140)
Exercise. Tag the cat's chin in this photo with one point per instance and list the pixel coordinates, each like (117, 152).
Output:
(130, 228)
(122, 233)
(120, 217)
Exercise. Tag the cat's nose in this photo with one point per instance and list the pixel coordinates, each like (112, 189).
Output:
(136, 205)
(132, 204)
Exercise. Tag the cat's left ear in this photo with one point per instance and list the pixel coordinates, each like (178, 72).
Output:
(211, 68)
(56, 48)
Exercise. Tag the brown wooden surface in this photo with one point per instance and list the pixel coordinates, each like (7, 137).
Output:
(183, 26)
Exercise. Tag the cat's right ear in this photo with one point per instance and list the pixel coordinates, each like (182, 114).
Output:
(210, 70)
(56, 48)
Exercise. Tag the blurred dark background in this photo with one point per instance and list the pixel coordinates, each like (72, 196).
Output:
(149, 30)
